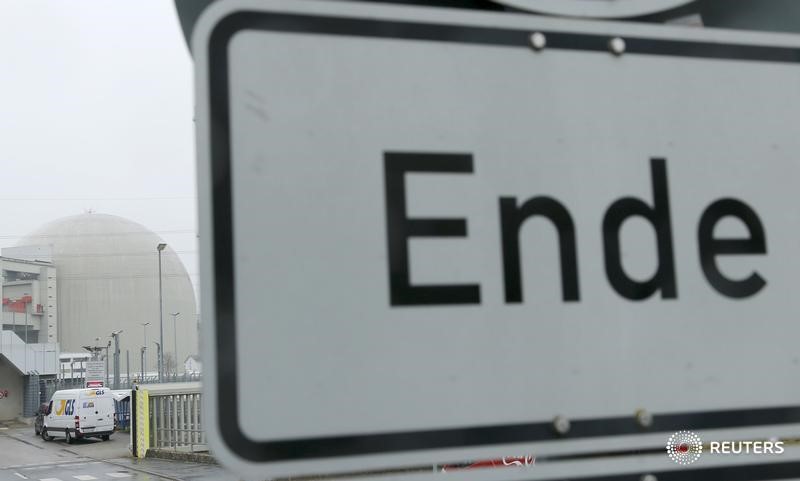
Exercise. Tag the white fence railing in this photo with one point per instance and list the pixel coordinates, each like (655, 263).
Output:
(167, 417)
(176, 422)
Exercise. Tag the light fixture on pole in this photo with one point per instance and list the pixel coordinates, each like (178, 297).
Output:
(95, 350)
(160, 247)
(175, 338)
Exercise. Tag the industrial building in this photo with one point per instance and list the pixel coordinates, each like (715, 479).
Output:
(70, 284)
(108, 280)
(30, 298)
(28, 339)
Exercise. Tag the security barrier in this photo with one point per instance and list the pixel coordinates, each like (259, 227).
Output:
(167, 417)
(122, 413)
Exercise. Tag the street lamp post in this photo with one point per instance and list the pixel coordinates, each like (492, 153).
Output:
(25, 305)
(141, 377)
(158, 352)
(115, 335)
(175, 339)
(160, 247)
(13, 331)
(144, 364)
(107, 373)
(25, 351)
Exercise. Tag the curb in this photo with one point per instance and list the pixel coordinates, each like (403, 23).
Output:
(204, 458)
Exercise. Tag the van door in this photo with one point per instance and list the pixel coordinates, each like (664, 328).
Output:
(97, 414)
(60, 416)
(105, 413)
(47, 422)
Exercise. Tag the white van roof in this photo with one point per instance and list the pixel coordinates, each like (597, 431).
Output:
(120, 394)
(73, 392)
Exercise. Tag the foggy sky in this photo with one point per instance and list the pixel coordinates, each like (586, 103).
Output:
(96, 113)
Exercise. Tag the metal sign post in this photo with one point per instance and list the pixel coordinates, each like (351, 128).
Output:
(432, 235)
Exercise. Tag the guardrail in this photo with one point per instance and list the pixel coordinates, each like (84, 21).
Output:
(167, 417)
(175, 422)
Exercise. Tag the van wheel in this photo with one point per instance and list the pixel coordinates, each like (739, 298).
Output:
(68, 437)
(105, 437)
(45, 436)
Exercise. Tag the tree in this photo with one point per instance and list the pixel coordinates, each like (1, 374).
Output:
(169, 364)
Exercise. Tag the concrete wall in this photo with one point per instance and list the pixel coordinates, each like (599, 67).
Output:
(11, 381)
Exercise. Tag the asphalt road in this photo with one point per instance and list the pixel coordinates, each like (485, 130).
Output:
(26, 456)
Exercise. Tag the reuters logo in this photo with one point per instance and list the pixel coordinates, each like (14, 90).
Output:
(684, 447)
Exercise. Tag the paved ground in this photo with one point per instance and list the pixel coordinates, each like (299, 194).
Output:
(25, 456)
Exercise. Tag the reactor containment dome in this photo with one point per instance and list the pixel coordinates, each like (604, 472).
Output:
(107, 279)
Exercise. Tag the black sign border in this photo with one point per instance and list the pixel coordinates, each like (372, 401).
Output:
(394, 442)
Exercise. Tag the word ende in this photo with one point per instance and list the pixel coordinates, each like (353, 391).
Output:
(746, 447)
(513, 214)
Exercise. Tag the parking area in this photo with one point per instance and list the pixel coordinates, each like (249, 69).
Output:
(23, 455)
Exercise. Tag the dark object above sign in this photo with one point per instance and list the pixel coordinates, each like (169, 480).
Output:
(596, 8)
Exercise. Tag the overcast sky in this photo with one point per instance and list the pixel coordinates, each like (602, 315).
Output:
(96, 113)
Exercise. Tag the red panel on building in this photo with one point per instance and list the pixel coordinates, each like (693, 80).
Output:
(17, 305)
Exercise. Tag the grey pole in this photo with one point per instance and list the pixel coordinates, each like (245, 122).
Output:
(25, 304)
(25, 351)
(115, 335)
(160, 247)
(158, 352)
(141, 376)
(144, 364)
(107, 373)
(175, 339)
(128, 366)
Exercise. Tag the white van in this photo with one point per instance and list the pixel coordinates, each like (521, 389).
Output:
(79, 413)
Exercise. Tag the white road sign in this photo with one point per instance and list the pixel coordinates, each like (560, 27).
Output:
(95, 371)
(431, 235)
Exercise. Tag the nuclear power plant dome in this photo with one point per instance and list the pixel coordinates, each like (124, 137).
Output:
(108, 280)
